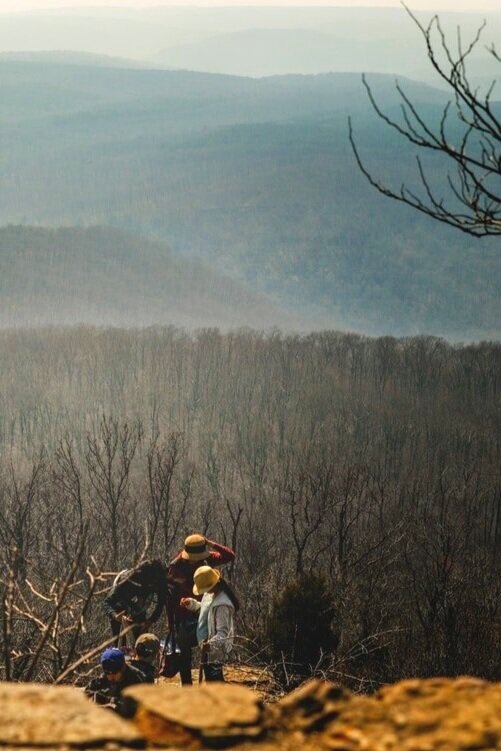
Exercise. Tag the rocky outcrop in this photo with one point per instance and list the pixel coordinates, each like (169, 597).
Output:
(414, 715)
(34, 715)
(196, 716)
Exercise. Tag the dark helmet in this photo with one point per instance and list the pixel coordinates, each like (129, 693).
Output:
(147, 645)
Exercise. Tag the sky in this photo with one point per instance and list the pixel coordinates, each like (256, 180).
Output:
(445, 5)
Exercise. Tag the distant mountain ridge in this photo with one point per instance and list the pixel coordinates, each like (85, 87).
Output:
(182, 100)
(283, 39)
(266, 52)
(71, 57)
(102, 276)
(254, 179)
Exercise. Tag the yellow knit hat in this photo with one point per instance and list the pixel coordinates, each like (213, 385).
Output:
(205, 579)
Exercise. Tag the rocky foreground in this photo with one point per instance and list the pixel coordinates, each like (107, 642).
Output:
(413, 715)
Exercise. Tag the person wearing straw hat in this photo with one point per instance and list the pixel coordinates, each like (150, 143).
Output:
(216, 613)
(183, 623)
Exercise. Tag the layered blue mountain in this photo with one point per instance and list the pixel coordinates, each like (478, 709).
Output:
(253, 178)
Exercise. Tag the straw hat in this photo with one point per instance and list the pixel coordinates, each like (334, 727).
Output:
(195, 548)
(205, 579)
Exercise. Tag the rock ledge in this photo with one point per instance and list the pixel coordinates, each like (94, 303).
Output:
(414, 715)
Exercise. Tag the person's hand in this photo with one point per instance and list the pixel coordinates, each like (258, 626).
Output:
(185, 602)
(126, 618)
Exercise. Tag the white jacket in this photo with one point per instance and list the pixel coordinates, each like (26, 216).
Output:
(220, 622)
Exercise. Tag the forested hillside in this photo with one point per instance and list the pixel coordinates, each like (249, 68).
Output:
(255, 178)
(106, 277)
(372, 465)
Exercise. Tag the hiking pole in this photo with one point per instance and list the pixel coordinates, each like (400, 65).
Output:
(203, 661)
(122, 638)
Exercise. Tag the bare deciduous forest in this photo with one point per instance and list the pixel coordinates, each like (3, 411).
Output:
(372, 464)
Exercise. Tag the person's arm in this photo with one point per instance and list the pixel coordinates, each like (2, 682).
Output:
(93, 686)
(220, 554)
(112, 605)
(191, 604)
(98, 690)
(221, 643)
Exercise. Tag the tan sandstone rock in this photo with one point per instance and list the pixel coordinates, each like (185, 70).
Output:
(414, 715)
(310, 707)
(195, 715)
(36, 715)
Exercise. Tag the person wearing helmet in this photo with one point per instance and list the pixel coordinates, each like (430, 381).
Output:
(117, 675)
(146, 650)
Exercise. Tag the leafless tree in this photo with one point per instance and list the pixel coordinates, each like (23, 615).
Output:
(110, 451)
(468, 136)
(374, 463)
(163, 458)
(18, 528)
(44, 623)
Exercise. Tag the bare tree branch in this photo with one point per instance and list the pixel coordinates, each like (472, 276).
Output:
(474, 201)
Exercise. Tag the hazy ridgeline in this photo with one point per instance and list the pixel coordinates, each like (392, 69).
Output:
(371, 462)
(254, 41)
(254, 179)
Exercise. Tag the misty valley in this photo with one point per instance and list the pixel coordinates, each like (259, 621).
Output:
(222, 342)
(253, 178)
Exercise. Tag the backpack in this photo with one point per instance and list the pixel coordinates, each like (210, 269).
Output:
(170, 661)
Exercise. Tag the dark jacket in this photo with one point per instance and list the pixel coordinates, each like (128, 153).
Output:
(140, 594)
(104, 691)
(146, 668)
(180, 579)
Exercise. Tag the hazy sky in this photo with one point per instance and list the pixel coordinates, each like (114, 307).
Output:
(451, 5)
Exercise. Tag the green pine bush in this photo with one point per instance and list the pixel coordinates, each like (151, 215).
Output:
(301, 629)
